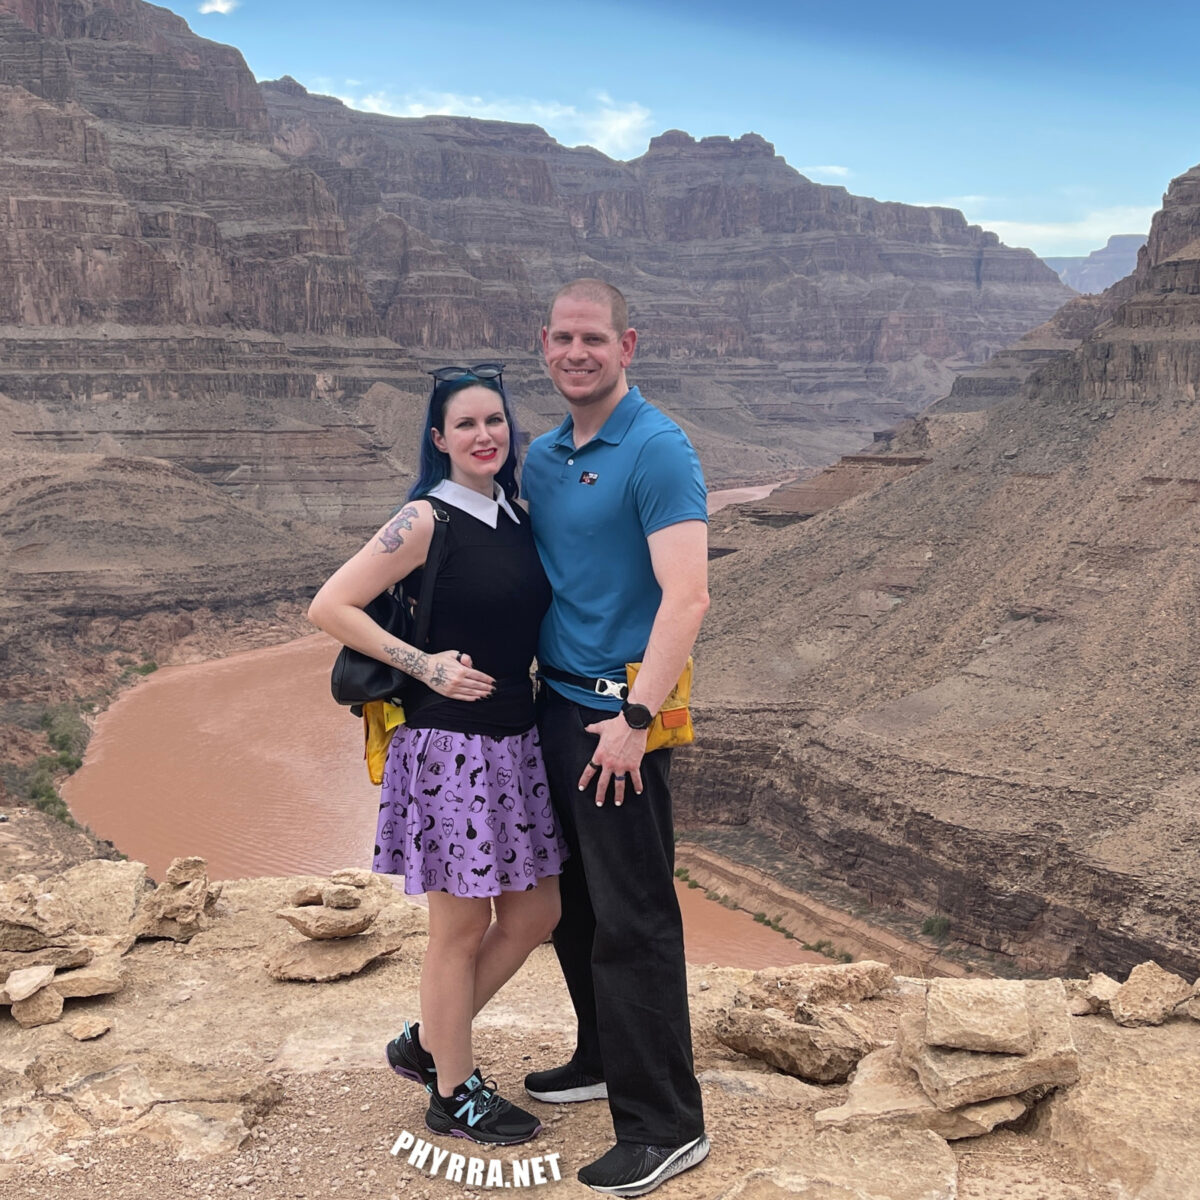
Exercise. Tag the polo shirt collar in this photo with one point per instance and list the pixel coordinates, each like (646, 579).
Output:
(473, 503)
(613, 430)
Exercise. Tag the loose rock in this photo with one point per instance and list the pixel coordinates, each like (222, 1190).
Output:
(886, 1092)
(806, 1051)
(42, 1008)
(1149, 996)
(322, 923)
(978, 1014)
(321, 961)
(953, 1078)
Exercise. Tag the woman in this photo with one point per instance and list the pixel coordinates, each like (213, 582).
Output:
(464, 810)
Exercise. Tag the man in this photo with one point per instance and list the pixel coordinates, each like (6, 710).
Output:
(620, 519)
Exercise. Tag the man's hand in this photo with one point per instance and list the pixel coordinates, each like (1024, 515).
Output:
(617, 758)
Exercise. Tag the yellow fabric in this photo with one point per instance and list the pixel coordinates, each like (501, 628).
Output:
(672, 724)
(379, 721)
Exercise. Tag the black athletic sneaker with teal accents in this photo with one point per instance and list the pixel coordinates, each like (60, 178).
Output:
(479, 1113)
(629, 1169)
(406, 1056)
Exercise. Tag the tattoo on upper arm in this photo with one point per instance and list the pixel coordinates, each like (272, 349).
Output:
(391, 537)
(411, 662)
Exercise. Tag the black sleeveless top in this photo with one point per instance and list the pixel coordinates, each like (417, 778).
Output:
(488, 601)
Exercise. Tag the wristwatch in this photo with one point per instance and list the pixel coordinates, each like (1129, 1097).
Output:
(637, 716)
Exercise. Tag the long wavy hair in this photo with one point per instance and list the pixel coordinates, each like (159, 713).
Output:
(435, 463)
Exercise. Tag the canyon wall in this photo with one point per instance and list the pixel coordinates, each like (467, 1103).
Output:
(249, 281)
(967, 691)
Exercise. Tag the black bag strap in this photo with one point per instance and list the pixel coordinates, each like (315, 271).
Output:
(429, 574)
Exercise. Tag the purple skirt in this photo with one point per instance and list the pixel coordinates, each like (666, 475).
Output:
(465, 813)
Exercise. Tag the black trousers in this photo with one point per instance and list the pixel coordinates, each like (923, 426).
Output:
(620, 940)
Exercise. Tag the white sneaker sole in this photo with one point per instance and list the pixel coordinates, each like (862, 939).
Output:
(689, 1155)
(592, 1091)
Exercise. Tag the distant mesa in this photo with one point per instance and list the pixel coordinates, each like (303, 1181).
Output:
(1094, 272)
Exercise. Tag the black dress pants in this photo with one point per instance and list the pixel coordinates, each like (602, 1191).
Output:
(620, 940)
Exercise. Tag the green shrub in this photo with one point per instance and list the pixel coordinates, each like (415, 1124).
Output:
(692, 883)
(936, 927)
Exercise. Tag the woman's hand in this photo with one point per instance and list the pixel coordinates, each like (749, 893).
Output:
(449, 673)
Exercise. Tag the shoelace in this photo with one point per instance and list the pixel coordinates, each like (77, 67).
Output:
(490, 1099)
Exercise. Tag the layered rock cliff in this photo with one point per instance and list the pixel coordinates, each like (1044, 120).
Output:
(216, 264)
(769, 305)
(976, 700)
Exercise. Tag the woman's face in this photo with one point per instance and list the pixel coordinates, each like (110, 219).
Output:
(475, 437)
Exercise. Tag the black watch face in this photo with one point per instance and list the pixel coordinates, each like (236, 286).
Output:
(637, 716)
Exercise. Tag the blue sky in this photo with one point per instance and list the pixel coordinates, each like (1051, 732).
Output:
(1055, 125)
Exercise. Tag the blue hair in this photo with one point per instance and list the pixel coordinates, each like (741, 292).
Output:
(435, 463)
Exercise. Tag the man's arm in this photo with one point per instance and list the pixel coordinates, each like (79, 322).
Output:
(679, 557)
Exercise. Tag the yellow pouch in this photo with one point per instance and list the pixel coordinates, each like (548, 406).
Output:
(672, 724)
(379, 721)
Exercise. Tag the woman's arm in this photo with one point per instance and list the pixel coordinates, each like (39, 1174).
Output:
(397, 549)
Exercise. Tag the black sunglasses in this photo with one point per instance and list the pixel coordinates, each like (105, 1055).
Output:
(485, 370)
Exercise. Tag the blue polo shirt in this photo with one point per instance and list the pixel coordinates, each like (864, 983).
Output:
(592, 510)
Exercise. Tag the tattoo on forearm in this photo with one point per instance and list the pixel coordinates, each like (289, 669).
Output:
(411, 662)
(391, 537)
(439, 676)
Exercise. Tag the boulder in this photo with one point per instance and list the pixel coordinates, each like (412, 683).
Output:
(44, 1007)
(811, 1052)
(1149, 996)
(101, 977)
(1132, 1121)
(1191, 1007)
(978, 1014)
(22, 984)
(953, 1078)
(74, 953)
(32, 917)
(866, 1164)
(321, 922)
(885, 1092)
(1091, 995)
(176, 908)
(341, 895)
(322, 961)
(786, 988)
(192, 869)
(106, 894)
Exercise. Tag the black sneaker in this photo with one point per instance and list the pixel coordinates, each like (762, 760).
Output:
(562, 1085)
(632, 1170)
(406, 1056)
(479, 1113)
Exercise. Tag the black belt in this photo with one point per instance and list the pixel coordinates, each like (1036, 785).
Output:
(618, 689)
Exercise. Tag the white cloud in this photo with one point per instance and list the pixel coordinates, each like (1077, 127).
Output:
(1080, 236)
(826, 172)
(219, 6)
(618, 130)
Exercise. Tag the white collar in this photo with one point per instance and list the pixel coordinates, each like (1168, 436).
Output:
(474, 503)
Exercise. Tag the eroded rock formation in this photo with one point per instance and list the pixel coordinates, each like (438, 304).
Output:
(967, 691)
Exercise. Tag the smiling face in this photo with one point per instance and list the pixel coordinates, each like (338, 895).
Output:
(585, 355)
(474, 436)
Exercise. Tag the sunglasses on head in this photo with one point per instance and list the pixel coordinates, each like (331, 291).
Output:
(485, 370)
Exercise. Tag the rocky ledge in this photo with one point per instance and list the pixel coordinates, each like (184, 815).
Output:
(195, 1068)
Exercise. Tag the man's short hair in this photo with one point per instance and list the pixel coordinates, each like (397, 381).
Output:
(595, 291)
